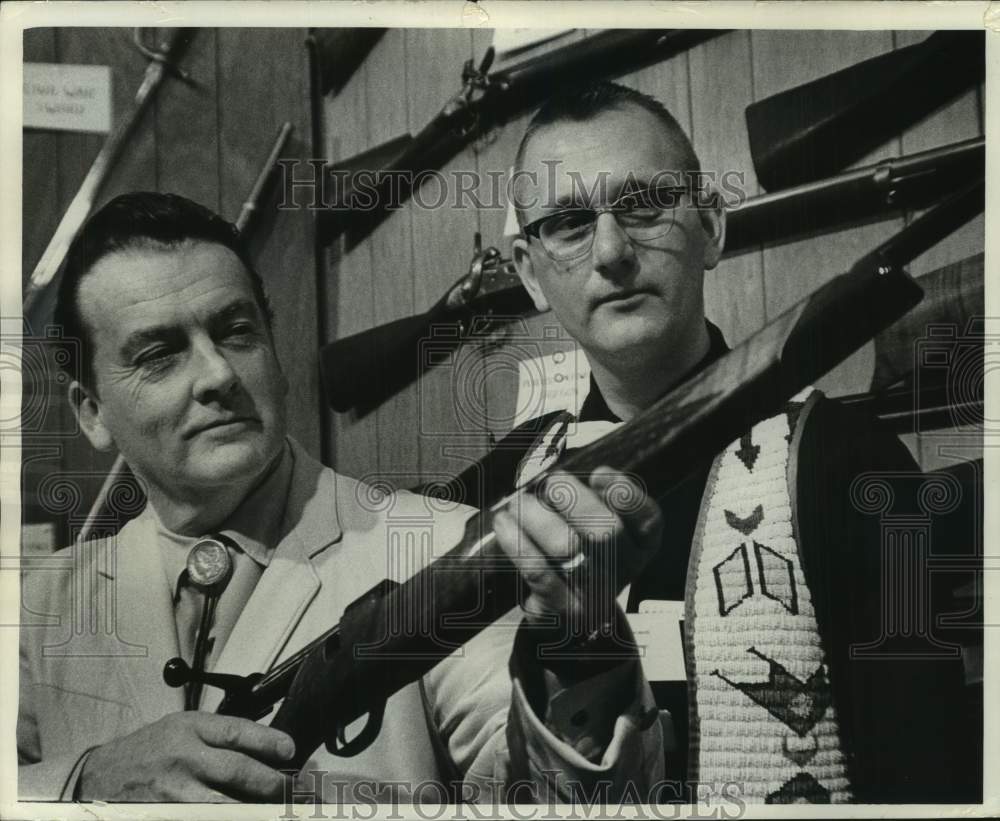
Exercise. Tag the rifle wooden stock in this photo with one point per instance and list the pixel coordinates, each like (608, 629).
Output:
(816, 129)
(392, 636)
(361, 371)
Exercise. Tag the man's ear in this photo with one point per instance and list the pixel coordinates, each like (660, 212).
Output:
(87, 409)
(526, 271)
(713, 221)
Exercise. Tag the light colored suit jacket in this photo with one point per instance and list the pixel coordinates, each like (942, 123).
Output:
(99, 625)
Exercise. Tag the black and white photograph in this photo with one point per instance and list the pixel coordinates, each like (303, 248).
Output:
(441, 410)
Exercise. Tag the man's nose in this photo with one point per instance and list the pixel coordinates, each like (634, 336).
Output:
(214, 375)
(613, 252)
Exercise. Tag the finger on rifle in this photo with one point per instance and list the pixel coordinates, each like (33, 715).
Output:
(637, 509)
(549, 591)
(586, 509)
(244, 778)
(545, 524)
(245, 736)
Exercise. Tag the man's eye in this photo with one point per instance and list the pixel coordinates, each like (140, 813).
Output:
(154, 357)
(240, 331)
(569, 222)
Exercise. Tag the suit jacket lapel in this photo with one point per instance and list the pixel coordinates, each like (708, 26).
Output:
(145, 619)
(290, 582)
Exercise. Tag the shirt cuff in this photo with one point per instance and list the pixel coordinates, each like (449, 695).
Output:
(579, 691)
(625, 768)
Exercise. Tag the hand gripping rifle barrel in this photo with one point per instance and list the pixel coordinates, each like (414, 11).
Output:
(377, 649)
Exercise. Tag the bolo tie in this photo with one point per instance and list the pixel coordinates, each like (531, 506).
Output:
(208, 570)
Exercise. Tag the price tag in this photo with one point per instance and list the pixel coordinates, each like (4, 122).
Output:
(67, 98)
(658, 628)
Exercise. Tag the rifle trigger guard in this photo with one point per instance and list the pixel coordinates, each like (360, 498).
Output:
(339, 746)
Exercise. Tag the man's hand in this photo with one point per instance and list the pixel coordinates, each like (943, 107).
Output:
(190, 756)
(578, 546)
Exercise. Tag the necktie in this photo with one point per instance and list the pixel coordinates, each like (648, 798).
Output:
(207, 572)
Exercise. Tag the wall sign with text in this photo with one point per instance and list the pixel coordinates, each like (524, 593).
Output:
(67, 98)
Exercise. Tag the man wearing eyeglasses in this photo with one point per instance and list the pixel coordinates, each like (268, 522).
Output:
(771, 570)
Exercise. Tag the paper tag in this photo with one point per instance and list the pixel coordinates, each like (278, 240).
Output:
(67, 97)
(657, 628)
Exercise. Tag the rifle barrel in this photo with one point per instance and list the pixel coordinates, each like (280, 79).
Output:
(911, 181)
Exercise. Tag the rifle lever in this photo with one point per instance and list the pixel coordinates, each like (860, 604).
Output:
(177, 673)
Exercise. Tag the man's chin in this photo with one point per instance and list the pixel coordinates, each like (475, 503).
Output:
(236, 461)
(632, 337)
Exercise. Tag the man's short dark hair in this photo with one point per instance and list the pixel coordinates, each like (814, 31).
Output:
(137, 220)
(584, 102)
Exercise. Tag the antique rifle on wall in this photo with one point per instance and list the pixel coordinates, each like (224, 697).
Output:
(381, 177)
(161, 63)
(363, 370)
(352, 670)
(816, 129)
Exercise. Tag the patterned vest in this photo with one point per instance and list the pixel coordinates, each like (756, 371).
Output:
(760, 702)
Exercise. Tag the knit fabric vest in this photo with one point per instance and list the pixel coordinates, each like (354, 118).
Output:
(761, 712)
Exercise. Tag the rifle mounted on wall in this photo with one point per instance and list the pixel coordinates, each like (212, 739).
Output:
(352, 669)
(486, 100)
(816, 129)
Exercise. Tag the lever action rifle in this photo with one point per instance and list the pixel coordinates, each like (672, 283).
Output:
(352, 670)
(485, 101)
(363, 370)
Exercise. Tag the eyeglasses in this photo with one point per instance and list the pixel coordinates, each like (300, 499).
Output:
(643, 215)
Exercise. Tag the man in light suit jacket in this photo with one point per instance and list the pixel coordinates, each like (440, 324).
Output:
(177, 370)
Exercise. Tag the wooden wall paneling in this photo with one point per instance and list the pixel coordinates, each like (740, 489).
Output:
(531, 336)
(524, 337)
(187, 126)
(958, 120)
(134, 169)
(451, 402)
(391, 247)
(721, 89)
(668, 81)
(40, 168)
(781, 60)
(495, 153)
(350, 308)
(40, 212)
(136, 165)
(263, 80)
(41, 394)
